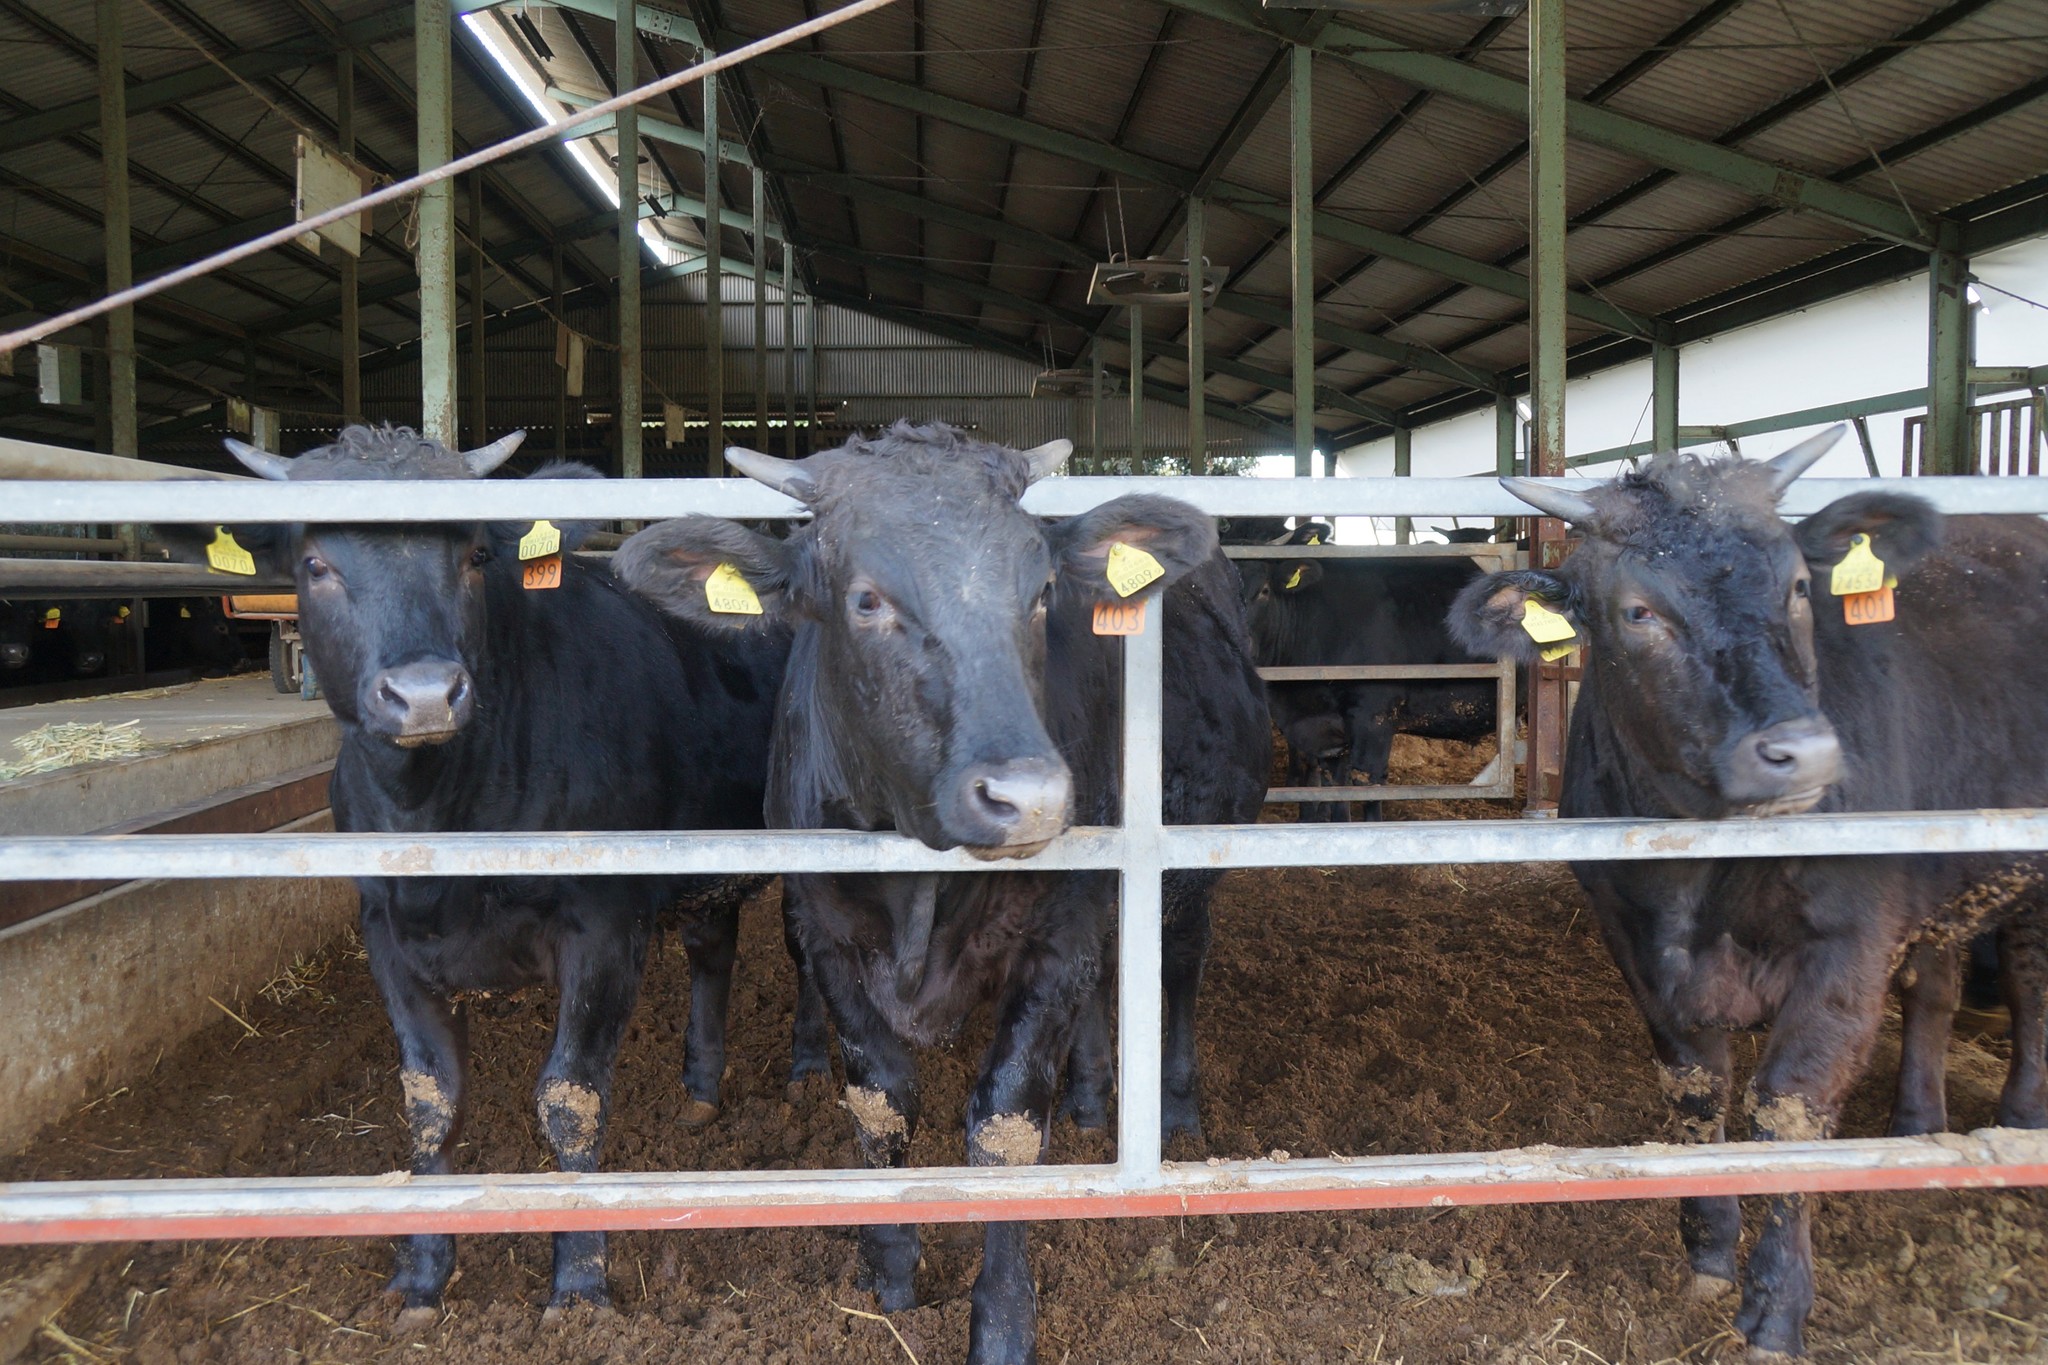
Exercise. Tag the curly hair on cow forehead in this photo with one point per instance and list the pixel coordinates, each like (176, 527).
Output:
(379, 452)
(1703, 490)
(919, 447)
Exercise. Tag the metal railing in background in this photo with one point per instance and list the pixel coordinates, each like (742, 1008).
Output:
(2010, 434)
(1139, 1183)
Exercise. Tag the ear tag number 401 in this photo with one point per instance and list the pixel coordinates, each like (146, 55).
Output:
(225, 555)
(1551, 629)
(1863, 585)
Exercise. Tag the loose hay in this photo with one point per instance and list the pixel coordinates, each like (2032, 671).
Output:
(71, 744)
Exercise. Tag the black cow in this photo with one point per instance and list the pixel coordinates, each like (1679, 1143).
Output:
(467, 702)
(1724, 680)
(194, 633)
(945, 682)
(17, 641)
(74, 639)
(1363, 611)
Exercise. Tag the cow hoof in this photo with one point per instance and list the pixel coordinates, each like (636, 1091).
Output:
(697, 1113)
(413, 1322)
(810, 1089)
(1917, 1124)
(1706, 1288)
(1758, 1355)
(1179, 1117)
(2032, 1115)
(586, 1307)
(1089, 1111)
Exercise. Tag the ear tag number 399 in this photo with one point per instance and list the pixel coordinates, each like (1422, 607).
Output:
(539, 575)
(1131, 568)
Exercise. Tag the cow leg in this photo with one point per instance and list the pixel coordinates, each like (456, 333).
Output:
(433, 1065)
(2023, 977)
(711, 935)
(1186, 948)
(1694, 1072)
(810, 1051)
(1091, 1070)
(599, 971)
(1372, 751)
(1930, 988)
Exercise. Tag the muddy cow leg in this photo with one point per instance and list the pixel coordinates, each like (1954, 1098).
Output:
(1091, 1060)
(2023, 977)
(1372, 751)
(1693, 1068)
(1930, 988)
(711, 935)
(599, 971)
(1006, 1126)
(1186, 948)
(810, 1043)
(433, 1065)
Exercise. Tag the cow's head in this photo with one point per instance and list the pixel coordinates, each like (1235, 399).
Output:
(924, 589)
(14, 636)
(86, 634)
(1695, 602)
(393, 612)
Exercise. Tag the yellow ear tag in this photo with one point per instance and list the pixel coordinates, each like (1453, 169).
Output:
(1859, 571)
(1545, 627)
(184, 613)
(53, 618)
(543, 540)
(1293, 580)
(121, 614)
(1130, 568)
(227, 556)
(726, 591)
(1552, 653)
(1315, 540)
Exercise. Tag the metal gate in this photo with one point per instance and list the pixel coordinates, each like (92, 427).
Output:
(2010, 433)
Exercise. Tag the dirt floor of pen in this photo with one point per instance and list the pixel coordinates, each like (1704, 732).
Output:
(1347, 1010)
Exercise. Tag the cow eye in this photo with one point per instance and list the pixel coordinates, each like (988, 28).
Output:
(866, 602)
(1800, 589)
(480, 556)
(1639, 615)
(316, 568)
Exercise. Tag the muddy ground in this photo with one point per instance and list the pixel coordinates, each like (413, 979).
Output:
(1353, 1011)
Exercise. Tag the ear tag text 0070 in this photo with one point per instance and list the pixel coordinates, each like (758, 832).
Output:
(726, 591)
(1860, 570)
(543, 540)
(225, 555)
(1131, 568)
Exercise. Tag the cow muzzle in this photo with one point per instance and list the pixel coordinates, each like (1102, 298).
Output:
(1784, 769)
(427, 702)
(1010, 809)
(13, 656)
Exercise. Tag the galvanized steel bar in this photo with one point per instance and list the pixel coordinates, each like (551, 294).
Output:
(625, 74)
(1301, 241)
(117, 239)
(200, 502)
(1426, 549)
(761, 269)
(1951, 447)
(399, 1203)
(1462, 791)
(1376, 672)
(714, 290)
(432, 54)
(1139, 956)
(1198, 373)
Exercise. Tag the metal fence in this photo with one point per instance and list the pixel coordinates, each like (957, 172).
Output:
(1139, 1182)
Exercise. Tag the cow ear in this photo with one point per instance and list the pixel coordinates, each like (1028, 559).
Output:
(506, 535)
(1901, 527)
(1487, 616)
(712, 573)
(269, 545)
(1296, 575)
(1173, 535)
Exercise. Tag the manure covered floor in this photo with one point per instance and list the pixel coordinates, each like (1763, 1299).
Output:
(1347, 1010)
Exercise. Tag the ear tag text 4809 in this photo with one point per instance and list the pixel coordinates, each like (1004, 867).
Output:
(1131, 568)
(1860, 570)
(726, 591)
(543, 540)
(225, 555)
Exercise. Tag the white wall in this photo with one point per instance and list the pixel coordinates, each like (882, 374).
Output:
(1865, 344)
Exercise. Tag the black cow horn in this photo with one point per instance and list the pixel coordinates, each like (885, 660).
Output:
(784, 476)
(260, 461)
(1549, 498)
(1800, 458)
(484, 459)
(1047, 459)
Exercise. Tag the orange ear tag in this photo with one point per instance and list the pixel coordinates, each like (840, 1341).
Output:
(1868, 608)
(538, 575)
(1119, 618)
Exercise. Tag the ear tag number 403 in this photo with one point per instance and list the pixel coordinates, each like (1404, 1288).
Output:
(727, 592)
(225, 555)
(1551, 629)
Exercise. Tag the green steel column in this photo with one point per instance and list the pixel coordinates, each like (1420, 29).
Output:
(1198, 436)
(714, 288)
(1095, 407)
(432, 36)
(810, 373)
(1404, 527)
(1137, 441)
(1547, 104)
(120, 272)
(351, 311)
(1301, 239)
(561, 374)
(626, 71)
(760, 309)
(1507, 430)
(788, 351)
(479, 416)
(1664, 394)
(1950, 448)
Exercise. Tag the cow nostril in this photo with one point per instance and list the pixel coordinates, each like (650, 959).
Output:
(993, 806)
(458, 689)
(1774, 755)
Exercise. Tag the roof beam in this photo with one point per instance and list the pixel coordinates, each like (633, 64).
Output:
(1509, 97)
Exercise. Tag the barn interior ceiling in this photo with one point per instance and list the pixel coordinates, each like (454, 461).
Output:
(963, 166)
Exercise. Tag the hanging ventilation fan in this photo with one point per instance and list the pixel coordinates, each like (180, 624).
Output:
(1151, 282)
(1478, 9)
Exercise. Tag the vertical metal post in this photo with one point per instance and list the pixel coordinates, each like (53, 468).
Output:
(1547, 363)
(120, 273)
(1302, 241)
(1507, 431)
(1198, 436)
(1950, 447)
(760, 309)
(1139, 1016)
(625, 73)
(432, 36)
(561, 374)
(1404, 527)
(788, 351)
(351, 311)
(714, 288)
(1095, 407)
(1137, 441)
(1664, 394)
(1862, 425)
(478, 415)
(812, 401)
